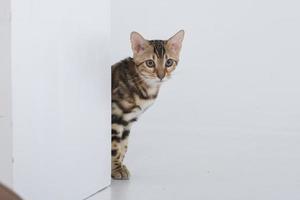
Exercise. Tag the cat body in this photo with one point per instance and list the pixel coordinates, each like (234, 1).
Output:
(135, 86)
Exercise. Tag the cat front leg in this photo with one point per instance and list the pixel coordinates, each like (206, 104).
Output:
(124, 143)
(118, 170)
(121, 125)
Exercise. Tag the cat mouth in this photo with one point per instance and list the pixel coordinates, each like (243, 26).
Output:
(161, 81)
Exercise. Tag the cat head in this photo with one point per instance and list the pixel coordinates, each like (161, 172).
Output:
(156, 59)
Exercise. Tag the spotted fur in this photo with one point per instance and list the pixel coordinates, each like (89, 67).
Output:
(135, 86)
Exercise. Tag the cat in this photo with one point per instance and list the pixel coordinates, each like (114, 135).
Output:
(135, 85)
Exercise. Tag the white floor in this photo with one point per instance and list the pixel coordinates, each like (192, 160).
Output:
(211, 165)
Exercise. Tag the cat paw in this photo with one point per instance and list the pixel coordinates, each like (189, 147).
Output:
(120, 173)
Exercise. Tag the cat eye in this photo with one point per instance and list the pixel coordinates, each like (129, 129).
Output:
(169, 63)
(150, 63)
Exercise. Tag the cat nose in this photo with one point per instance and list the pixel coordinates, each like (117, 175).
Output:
(161, 76)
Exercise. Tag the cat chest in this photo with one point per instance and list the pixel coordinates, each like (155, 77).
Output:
(141, 106)
(144, 103)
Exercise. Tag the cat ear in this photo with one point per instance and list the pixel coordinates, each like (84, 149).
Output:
(137, 42)
(175, 41)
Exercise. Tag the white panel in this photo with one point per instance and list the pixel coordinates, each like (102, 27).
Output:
(61, 105)
(5, 95)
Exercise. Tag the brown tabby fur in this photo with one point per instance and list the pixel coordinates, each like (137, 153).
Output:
(135, 85)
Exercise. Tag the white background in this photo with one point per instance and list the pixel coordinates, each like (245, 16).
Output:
(239, 66)
(228, 124)
(5, 95)
(61, 104)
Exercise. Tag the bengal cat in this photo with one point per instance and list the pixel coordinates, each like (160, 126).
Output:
(135, 85)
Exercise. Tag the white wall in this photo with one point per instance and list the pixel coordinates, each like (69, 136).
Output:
(239, 68)
(5, 95)
(227, 125)
(61, 105)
